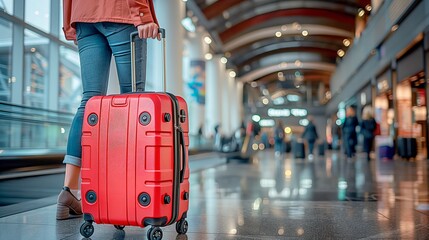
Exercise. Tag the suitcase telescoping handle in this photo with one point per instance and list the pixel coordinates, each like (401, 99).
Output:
(133, 38)
(182, 143)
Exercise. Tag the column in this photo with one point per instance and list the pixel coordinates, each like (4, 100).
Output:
(309, 91)
(54, 60)
(226, 94)
(170, 15)
(213, 113)
(194, 74)
(395, 98)
(426, 69)
(240, 107)
(17, 79)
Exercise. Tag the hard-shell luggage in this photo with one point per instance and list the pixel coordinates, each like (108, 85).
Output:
(407, 147)
(386, 152)
(287, 147)
(321, 149)
(299, 150)
(135, 160)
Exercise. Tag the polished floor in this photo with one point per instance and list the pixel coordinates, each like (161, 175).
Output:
(278, 198)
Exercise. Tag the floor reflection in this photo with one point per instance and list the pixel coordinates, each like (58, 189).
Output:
(278, 198)
(261, 198)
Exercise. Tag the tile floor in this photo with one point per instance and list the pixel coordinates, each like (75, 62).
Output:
(278, 198)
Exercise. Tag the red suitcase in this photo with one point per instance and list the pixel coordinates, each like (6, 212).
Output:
(135, 169)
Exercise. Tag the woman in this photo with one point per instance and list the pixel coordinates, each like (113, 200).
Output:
(349, 132)
(368, 126)
(310, 134)
(100, 29)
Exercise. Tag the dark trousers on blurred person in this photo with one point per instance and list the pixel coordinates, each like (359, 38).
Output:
(367, 146)
(311, 146)
(349, 145)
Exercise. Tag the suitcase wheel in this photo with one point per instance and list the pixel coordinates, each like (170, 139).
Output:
(154, 233)
(87, 229)
(182, 226)
(119, 227)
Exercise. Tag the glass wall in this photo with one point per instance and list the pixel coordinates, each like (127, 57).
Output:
(37, 13)
(6, 6)
(40, 86)
(70, 87)
(36, 63)
(5, 60)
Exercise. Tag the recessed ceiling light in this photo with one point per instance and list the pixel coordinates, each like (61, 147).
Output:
(346, 42)
(341, 53)
(225, 14)
(395, 27)
(208, 56)
(208, 40)
(361, 12)
(297, 26)
(232, 74)
(223, 60)
(368, 8)
(305, 33)
(278, 34)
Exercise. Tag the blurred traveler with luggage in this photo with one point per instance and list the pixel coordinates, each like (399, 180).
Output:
(310, 135)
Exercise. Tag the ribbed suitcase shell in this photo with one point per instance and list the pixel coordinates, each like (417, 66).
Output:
(122, 158)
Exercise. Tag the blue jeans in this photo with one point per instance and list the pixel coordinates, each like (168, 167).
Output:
(97, 42)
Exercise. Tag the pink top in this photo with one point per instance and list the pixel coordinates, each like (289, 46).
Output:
(136, 12)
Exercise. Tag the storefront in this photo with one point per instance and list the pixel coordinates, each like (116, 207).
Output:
(383, 104)
(411, 97)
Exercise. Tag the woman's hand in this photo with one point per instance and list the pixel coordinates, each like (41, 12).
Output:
(149, 30)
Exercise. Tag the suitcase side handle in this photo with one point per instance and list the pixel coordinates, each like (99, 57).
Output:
(133, 38)
(182, 143)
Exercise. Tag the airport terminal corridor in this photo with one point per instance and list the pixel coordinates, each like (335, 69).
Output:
(214, 119)
(277, 197)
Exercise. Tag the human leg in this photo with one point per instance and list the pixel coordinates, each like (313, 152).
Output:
(95, 56)
(118, 36)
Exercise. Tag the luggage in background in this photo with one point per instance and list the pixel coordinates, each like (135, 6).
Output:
(299, 150)
(321, 149)
(386, 152)
(287, 147)
(407, 147)
(135, 167)
(384, 147)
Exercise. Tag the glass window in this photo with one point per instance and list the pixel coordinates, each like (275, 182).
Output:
(37, 13)
(70, 87)
(6, 6)
(61, 35)
(36, 69)
(5, 60)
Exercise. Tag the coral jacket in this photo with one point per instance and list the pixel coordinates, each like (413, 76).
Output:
(137, 12)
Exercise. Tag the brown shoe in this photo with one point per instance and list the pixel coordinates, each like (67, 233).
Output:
(67, 204)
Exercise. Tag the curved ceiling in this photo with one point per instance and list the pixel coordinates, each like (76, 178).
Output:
(265, 39)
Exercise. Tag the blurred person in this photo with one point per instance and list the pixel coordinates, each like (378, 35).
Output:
(368, 127)
(349, 132)
(99, 29)
(200, 134)
(310, 135)
(278, 138)
(336, 134)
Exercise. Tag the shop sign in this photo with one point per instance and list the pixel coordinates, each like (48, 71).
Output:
(295, 112)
